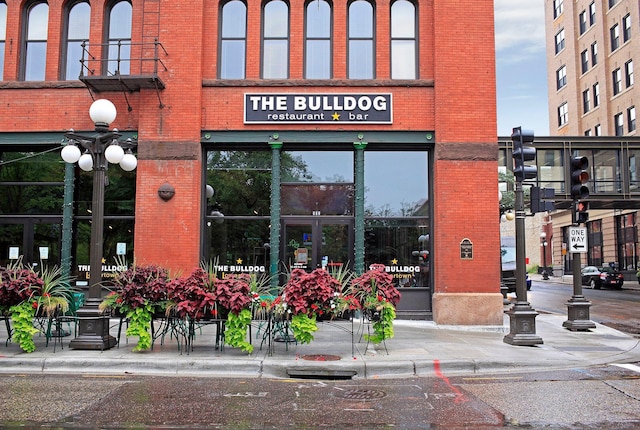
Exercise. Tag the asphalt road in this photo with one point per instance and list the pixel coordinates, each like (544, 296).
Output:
(603, 397)
(615, 308)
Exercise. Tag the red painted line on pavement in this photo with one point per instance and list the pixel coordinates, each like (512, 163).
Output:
(460, 398)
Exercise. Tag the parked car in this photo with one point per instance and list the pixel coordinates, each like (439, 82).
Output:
(598, 277)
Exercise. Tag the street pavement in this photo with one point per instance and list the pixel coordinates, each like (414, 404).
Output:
(418, 348)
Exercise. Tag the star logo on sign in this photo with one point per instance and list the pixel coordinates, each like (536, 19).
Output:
(239, 261)
(394, 261)
(335, 116)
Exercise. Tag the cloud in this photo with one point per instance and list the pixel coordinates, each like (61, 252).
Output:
(519, 27)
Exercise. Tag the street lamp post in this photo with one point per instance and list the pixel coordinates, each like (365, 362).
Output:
(100, 148)
(543, 243)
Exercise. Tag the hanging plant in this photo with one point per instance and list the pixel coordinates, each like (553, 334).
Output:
(235, 333)
(23, 329)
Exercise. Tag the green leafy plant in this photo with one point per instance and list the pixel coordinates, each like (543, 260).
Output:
(140, 324)
(382, 323)
(303, 326)
(235, 333)
(23, 330)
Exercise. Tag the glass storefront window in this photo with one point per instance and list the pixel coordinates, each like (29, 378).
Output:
(238, 245)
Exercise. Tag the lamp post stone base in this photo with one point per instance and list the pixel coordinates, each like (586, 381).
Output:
(93, 328)
(578, 315)
(522, 331)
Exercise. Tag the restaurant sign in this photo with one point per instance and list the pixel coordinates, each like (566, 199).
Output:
(290, 108)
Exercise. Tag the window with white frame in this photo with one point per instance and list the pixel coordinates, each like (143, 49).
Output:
(582, 18)
(626, 28)
(404, 40)
(596, 94)
(586, 101)
(617, 81)
(561, 77)
(597, 130)
(559, 40)
(233, 40)
(618, 122)
(594, 54)
(631, 119)
(592, 13)
(558, 7)
(584, 61)
(275, 40)
(614, 33)
(628, 73)
(563, 114)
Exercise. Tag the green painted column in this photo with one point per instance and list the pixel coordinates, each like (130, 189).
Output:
(274, 243)
(67, 220)
(358, 265)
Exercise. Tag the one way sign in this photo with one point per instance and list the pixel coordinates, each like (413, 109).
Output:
(577, 240)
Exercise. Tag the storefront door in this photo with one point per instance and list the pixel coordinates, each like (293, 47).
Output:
(317, 242)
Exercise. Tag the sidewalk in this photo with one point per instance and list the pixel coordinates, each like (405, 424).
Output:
(419, 348)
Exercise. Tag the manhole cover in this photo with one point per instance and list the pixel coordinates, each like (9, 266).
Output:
(321, 357)
(361, 394)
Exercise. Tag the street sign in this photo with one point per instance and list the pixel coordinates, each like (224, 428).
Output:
(577, 240)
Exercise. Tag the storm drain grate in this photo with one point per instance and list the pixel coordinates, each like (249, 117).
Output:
(361, 394)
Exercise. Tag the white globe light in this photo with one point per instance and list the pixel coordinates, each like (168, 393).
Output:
(70, 153)
(209, 191)
(102, 111)
(128, 162)
(86, 162)
(114, 153)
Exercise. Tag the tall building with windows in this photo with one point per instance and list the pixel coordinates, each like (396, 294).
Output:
(271, 135)
(591, 49)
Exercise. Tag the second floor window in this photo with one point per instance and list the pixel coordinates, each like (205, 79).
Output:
(618, 122)
(318, 40)
(403, 40)
(119, 39)
(3, 35)
(596, 94)
(586, 101)
(275, 40)
(631, 119)
(77, 23)
(35, 46)
(233, 40)
(361, 41)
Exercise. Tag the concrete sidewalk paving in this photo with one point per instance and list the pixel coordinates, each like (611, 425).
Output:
(419, 348)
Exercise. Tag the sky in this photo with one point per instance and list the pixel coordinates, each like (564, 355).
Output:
(521, 66)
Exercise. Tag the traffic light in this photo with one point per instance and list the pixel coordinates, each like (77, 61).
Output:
(540, 199)
(523, 151)
(579, 177)
(580, 212)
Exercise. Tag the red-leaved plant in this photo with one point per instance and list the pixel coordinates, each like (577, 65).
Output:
(18, 284)
(374, 286)
(310, 293)
(141, 285)
(194, 295)
(233, 292)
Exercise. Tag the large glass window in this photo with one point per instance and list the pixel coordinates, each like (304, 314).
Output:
(119, 39)
(626, 240)
(551, 169)
(361, 40)
(3, 35)
(606, 170)
(275, 40)
(78, 18)
(634, 170)
(318, 22)
(35, 46)
(404, 48)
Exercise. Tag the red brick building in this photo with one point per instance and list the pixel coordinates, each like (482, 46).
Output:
(333, 133)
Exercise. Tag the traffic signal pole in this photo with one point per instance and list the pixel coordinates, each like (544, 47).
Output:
(522, 317)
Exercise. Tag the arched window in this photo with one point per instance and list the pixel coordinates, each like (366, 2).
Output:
(275, 40)
(77, 31)
(317, 61)
(403, 40)
(119, 38)
(3, 35)
(35, 43)
(361, 44)
(233, 40)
